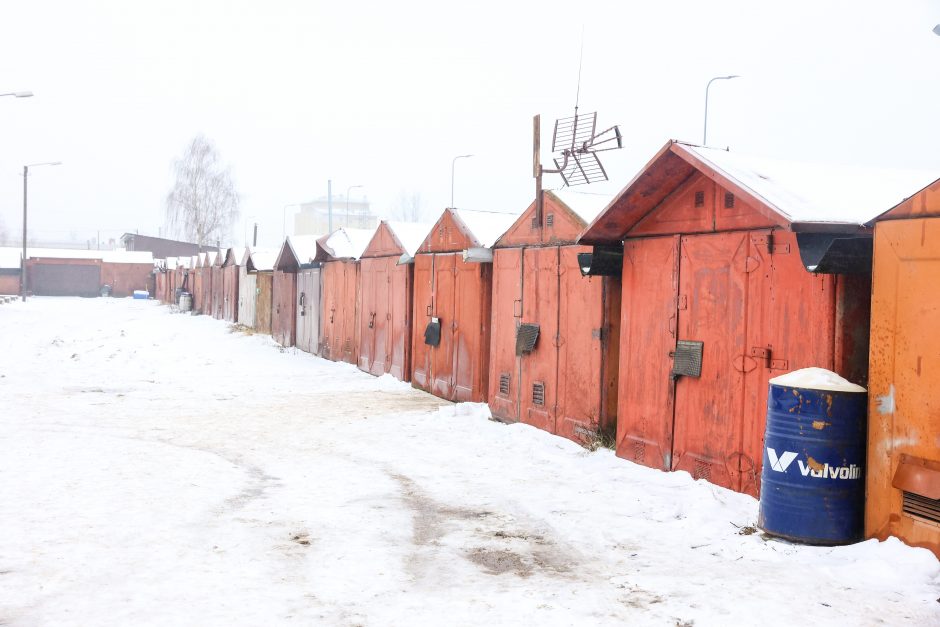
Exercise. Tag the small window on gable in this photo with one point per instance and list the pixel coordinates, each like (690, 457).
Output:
(699, 199)
(729, 200)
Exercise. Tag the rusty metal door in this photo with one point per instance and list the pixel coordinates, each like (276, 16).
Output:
(379, 318)
(470, 337)
(327, 308)
(217, 292)
(308, 309)
(712, 306)
(647, 341)
(230, 293)
(400, 323)
(264, 304)
(282, 318)
(422, 308)
(350, 346)
(539, 377)
(581, 348)
(505, 366)
(443, 360)
(367, 296)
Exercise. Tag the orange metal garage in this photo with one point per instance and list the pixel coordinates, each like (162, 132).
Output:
(386, 278)
(903, 479)
(716, 301)
(339, 300)
(452, 303)
(554, 349)
(230, 273)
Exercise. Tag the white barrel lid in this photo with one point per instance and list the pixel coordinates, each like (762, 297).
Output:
(816, 379)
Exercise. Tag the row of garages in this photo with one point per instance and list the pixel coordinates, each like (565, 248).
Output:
(66, 272)
(659, 316)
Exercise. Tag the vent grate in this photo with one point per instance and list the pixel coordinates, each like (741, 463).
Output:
(921, 507)
(504, 379)
(527, 335)
(639, 451)
(687, 359)
(729, 200)
(699, 199)
(538, 393)
(702, 470)
(535, 222)
(550, 219)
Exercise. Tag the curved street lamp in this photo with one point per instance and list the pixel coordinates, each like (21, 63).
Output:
(717, 78)
(19, 94)
(452, 163)
(25, 179)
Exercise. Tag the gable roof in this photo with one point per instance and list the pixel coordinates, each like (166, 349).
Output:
(297, 251)
(561, 222)
(343, 243)
(234, 255)
(393, 238)
(260, 259)
(801, 196)
(923, 203)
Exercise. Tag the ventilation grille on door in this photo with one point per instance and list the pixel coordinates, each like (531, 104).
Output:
(526, 337)
(729, 200)
(504, 379)
(639, 451)
(921, 507)
(699, 199)
(538, 393)
(687, 360)
(702, 470)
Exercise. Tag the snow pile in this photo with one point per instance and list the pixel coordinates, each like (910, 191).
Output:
(344, 243)
(262, 259)
(147, 479)
(818, 193)
(816, 379)
(304, 247)
(586, 205)
(485, 226)
(410, 234)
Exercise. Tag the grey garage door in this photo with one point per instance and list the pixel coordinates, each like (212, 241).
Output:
(65, 280)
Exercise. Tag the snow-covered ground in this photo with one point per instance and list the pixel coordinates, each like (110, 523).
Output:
(157, 469)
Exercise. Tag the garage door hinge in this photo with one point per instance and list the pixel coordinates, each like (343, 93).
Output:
(599, 334)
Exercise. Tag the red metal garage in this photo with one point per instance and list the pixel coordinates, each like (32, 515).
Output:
(230, 271)
(566, 382)
(452, 300)
(218, 294)
(339, 316)
(716, 301)
(386, 276)
(296, 255)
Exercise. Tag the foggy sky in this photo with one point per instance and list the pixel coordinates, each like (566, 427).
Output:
(384, 95)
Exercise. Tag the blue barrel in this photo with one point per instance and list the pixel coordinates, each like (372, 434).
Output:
(813, 475)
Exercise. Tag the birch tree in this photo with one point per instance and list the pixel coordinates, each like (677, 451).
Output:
(409, 207)
(203, 203)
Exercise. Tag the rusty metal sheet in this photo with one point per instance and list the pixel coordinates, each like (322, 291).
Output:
(350, 345)
(559, 225)
(443, 364)
(472, 330)
(378, 322)
(539, 380)
(230, 293)
(904, 376)
(217, 292)
(247, 294)
(264, 303)
(198, 289)
(422, 310)
(328, 317)
(282, 317)
(712, 308)
(647, 337)
(400, 319)
(504, 375)
(368, 296)
(307, 315)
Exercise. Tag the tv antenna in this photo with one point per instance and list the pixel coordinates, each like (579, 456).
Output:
(575, 142)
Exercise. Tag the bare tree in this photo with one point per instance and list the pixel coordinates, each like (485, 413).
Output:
(408, 208)
(203, 203)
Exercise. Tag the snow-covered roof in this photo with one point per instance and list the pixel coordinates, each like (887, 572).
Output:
(304, 247)
(486, 226)
(410, 234)
(346, 243)
(263, 258)
(817, 193)
(10, 257)
(238, 253)
(587, 205)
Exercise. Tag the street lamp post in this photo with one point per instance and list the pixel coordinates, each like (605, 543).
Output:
(452, 163)
(348, 189)
(25, 189)
(19, 94)
(717, 78)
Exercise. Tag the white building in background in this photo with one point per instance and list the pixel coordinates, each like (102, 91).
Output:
(314, 219)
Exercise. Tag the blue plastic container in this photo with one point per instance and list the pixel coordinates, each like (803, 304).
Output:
(813, 475)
